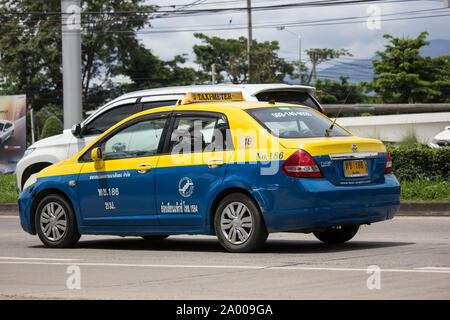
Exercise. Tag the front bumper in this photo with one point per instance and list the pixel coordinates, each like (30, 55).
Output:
(25, 202)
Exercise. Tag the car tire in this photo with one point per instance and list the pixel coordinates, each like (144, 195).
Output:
(154, 237)
(238, 224)
(337, 234)
(55, 222)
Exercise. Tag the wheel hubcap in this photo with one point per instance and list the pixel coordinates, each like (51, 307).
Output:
(53, 221)
(236, 223)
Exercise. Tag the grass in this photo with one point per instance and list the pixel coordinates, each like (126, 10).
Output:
(425, 190)
(8, 188)
(416, 190)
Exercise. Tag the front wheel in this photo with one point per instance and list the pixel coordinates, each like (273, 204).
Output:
(337, 234)
(238, 224)
(55, 222)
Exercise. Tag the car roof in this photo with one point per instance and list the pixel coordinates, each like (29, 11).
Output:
(249, 90)
(252, 89)
(221, 106)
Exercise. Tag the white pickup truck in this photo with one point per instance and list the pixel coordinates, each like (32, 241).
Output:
(54, 149)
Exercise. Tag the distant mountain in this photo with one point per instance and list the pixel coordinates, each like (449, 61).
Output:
(362, 69)
(437, 48)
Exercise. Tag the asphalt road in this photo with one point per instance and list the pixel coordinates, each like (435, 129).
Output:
(413, 254)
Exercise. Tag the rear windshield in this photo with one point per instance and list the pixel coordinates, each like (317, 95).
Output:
(293, 97)
(295, 122)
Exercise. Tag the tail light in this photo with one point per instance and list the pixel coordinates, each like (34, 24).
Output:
(301, 165)
(388, 166)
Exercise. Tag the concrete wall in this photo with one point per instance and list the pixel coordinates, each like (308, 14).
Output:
(396, 127)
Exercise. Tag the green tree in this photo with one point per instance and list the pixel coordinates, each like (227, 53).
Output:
(320, 55)
(52, 126)
(30, 45)
(30, 56)
(334, 92)
(148, 71)
(108, 37)
(41, 116)
(403, 76)
(230, 59)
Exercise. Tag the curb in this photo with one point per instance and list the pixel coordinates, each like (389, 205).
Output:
(414, 209)
(425, 209)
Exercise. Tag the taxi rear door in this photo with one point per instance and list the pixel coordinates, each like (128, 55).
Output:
(193, 167)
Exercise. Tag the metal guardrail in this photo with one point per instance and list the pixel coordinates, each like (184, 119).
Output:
(387, 108)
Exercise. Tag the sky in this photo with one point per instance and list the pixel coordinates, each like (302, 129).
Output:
(360, 39)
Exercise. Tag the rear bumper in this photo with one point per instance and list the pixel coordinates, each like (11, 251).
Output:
(311, 203)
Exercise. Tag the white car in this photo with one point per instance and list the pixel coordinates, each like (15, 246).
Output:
(6, 130)
(60, 147)
(442, 139)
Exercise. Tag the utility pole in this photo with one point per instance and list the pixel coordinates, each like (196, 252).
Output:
(32, 123)
(299, 60)
(249, 40)
(213, 71)
(314, 59)
(71, 58)
(283, 28)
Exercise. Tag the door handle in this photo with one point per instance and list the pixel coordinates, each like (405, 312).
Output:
(214, 163)
(144, 167)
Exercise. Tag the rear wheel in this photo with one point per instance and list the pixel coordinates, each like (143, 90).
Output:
(238, 224)
(55, 222)
(155, 237)
(337, 234)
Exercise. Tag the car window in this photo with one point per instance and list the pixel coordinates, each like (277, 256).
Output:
(156, 104)
(107, 119)
(294, 97)
(138, 140)
(295, 122)
(198, 134)
(1, 126)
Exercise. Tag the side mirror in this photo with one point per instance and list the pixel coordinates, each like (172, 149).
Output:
(96, 154)
(76, 130)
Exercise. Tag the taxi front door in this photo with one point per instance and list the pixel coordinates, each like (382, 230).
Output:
(120, 189)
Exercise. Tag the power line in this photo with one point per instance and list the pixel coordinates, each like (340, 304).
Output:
(321, 22)
(178, 12)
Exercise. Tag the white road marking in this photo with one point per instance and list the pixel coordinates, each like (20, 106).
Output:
(132, 265)
(435, 268)
(41, 259)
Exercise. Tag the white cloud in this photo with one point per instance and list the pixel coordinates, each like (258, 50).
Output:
(361, 41)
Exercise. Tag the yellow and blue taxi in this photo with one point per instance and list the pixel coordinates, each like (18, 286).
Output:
(215, 164)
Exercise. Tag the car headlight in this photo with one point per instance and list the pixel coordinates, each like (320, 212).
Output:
(28, 151)
(30, 181)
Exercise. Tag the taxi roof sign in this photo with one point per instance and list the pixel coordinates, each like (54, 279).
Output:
(193, 97)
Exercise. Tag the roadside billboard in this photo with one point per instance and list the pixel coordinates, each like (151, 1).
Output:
(13, 110)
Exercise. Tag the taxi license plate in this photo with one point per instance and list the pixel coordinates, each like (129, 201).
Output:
(355, 168)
